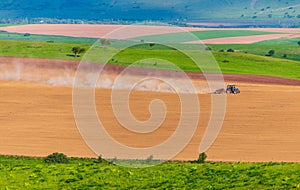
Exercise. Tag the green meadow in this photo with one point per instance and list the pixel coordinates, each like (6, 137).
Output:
(238, 62)
(33, 173)
(45, 38)
(38, 49)
(284, 48)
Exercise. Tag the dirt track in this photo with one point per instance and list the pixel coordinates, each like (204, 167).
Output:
(261, 124)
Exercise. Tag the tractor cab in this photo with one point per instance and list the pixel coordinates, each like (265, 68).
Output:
(232, 89)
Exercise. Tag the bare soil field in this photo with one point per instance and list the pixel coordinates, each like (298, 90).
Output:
(94, 31)
(133, 31)
(261, 123)
(242, 39)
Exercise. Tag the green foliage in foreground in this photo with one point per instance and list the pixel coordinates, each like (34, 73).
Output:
(33, 173)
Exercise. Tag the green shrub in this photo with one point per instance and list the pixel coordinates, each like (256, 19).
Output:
(201, 159)
(271, 53)
(56, 158)
(149, 159)
(101, 160)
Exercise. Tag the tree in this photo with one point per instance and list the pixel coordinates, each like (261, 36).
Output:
(105, 42)
(230, 50)
(201, 159)
(56, 158)
(152, 44)
(271, 53)
(299, 43)
(77, 51)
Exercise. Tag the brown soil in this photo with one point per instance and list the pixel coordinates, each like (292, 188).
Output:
(242, 39)
(261, 123)
(118, 32)
(94, 31)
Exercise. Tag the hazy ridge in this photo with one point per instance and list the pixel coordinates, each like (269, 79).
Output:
(244, 11)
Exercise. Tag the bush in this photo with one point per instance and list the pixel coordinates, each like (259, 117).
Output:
(105, 42)
(101, 160)
(230, 50)
(271, 53)
(149, 159)
(152, 44)
(202, 157)
(78, 50)
(56, 158)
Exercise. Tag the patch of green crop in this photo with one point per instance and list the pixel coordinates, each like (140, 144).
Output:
(284, 48)
(6, 25)
(45, 38)
(38, 49)
(33, 173)
(160, 57)
(229, 63)
(239, 63)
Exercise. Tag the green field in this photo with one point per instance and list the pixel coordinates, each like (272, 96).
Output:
(287, 47)
(231, 63)
(38, 49)
(5, 25)
(45, 38)
(33, 173)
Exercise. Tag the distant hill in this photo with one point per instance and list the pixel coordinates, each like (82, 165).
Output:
(167, 10)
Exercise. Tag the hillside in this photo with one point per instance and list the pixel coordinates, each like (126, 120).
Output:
(245, 11)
